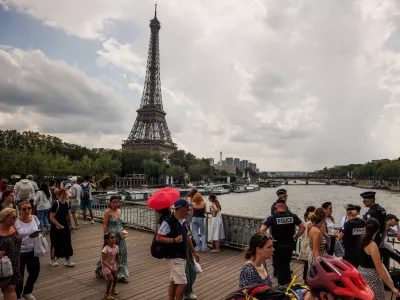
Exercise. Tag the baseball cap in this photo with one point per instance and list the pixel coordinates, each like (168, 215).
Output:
(73, 179)
(182, 202)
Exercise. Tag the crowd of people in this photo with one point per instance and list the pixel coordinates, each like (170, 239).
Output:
(361, 242)
(29, 212)
(360, 246)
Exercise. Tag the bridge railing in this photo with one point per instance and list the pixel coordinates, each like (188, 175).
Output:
(238, 229)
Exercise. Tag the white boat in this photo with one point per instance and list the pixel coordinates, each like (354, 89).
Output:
(221, 189)
(240, 189)
(252, 187)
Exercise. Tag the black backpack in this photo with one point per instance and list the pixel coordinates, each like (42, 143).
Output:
(163, 250)
(85, 196)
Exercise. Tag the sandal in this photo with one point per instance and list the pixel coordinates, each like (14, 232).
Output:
(214, 251)
(108, 297)
(124, 280)
(114, 292)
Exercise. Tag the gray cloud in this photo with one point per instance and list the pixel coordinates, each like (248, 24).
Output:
(37, 93)
(289, 84)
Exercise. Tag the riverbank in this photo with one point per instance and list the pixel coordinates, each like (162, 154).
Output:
(371, 187)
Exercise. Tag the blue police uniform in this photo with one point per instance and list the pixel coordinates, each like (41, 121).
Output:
(377, 212)
(283, 228)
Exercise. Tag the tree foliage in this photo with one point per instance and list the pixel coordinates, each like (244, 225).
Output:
(384, 169)
(47, 156)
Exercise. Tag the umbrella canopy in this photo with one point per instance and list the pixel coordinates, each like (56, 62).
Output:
(163, 198)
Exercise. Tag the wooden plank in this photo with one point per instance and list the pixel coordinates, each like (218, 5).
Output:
(149, 277)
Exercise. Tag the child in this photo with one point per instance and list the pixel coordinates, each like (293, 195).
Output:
(108, 255)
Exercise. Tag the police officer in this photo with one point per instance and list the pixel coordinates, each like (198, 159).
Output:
(283, 227)
(282, 194)
(375, 211)
(351, 235)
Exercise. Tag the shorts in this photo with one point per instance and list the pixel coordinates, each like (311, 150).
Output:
(86, 205)
(107, 271)
(74, 208)
(178, 270)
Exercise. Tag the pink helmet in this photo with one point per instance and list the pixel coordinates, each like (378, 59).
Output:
(338, 277)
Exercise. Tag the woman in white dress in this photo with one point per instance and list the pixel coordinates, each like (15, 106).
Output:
(217, 227)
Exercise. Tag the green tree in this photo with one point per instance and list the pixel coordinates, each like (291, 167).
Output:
(84, 166)
(153, 169)
(178, 158)
(177, 172)
(105, 164)
(197, 171)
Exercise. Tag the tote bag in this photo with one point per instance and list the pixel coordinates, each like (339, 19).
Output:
(6, 269)
(41, 246)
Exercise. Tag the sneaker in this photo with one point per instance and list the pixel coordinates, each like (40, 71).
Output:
(53, 262)
(192, 296)
(84, 223)
(28, 297)
(92, 222)
(69, 263)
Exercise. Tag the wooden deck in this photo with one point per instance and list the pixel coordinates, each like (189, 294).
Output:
(149, 277)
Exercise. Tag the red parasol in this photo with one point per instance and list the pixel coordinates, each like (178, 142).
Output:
(163, 198)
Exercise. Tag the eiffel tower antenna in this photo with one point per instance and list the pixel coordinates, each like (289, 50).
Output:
(150, 131)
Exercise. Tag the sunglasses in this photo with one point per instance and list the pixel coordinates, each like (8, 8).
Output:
(26, 209)
(266, 236)
(13, 217)
(112, 237)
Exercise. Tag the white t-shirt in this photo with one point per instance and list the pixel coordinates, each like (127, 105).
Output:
(330, 226)
(25, 230)
(76, 190)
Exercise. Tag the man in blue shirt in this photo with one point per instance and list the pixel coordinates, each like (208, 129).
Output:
(174, 232)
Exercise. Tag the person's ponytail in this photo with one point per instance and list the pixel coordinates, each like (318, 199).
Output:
(371, 227)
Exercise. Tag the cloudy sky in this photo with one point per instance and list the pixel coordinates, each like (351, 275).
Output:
(287, 84)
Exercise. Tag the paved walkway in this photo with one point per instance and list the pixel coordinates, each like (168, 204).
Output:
(148, 276)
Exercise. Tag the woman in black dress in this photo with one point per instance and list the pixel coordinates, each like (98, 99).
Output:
(60, 230)
(10, 245)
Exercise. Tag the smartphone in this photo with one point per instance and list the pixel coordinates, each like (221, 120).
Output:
(36, 232)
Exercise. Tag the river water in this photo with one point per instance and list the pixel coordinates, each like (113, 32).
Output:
(258, 204)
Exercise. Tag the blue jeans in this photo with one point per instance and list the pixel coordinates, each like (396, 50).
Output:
(198, 223)
(43, 216)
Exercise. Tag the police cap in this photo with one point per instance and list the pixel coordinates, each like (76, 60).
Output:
(368, 195)
(281, 192)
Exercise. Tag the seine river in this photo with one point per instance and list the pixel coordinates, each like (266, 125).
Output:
(258, 204)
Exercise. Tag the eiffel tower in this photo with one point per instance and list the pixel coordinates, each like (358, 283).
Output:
(150, 131)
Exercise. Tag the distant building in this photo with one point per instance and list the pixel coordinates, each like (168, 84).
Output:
(224, 163)
(252, 166)
(258, 170)
(241, 165)
(377, 161)
(229, 160)
(236, 162)
(231, 169)
(245, 164)
(211, 161)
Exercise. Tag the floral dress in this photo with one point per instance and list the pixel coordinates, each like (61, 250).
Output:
(11, 245)
(250, 276)
(115, 226)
